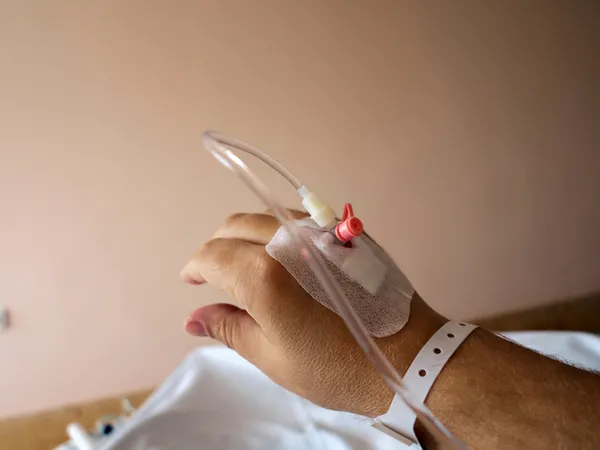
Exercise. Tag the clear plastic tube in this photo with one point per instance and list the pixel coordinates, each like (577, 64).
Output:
(218, 138)
(221, 147)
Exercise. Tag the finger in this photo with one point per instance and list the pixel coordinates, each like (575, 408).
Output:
(235, 266)
(229, 325)
(255, 228)
(189, 280)
(296, 214)
(258, 282)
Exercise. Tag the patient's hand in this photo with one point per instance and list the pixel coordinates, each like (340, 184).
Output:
(293, 339)
(491, 393)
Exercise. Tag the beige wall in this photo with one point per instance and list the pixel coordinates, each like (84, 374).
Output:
(469, 135)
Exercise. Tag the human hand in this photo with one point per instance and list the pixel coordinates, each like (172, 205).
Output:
(294, 340)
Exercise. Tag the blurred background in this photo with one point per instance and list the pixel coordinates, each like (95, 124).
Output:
(466, 134)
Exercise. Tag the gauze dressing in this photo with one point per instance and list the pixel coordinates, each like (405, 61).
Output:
(377, 289)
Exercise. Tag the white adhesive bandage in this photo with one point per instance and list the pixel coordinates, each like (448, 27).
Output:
(376, 288)
(422, 373)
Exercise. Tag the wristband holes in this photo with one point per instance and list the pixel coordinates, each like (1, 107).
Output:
(462, 324)
(437, 351)
(422, 373)
(450, 335)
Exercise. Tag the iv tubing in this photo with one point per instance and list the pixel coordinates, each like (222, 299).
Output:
(236, 144)
(220, 146)
(319, 211)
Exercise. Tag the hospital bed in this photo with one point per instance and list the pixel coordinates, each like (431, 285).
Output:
(180, 404)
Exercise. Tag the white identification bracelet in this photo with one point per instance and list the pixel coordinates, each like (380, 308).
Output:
(399, 421)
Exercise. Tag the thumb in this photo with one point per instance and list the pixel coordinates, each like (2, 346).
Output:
(229, 325)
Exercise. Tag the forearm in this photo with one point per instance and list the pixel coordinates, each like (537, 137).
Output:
(496, 394)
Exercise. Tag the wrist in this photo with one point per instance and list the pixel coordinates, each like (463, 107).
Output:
(402, 347)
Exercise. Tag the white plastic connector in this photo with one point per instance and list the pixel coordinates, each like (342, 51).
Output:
(319, 211)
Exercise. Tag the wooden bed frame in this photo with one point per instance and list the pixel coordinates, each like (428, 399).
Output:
(46, 430)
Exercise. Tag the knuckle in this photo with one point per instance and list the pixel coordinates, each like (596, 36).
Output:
(211, 246)
(226, 332)
(255, 281)
(215, 256)
(235, 218)
(264, 269)
(272, 277)
(252, 279)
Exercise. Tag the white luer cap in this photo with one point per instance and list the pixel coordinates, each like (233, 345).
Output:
(319, 211)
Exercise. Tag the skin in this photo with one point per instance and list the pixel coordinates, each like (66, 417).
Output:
(492, 393)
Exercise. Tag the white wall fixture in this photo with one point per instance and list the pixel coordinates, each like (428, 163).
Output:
(4, 319)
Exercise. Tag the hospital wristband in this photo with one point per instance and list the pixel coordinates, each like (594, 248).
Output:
(399, 421)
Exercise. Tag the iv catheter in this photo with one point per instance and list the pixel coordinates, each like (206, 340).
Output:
(222, 148)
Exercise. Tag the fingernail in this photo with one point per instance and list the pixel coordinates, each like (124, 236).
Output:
(195, 328)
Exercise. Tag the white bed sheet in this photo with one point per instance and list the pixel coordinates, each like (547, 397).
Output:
(215, 400)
